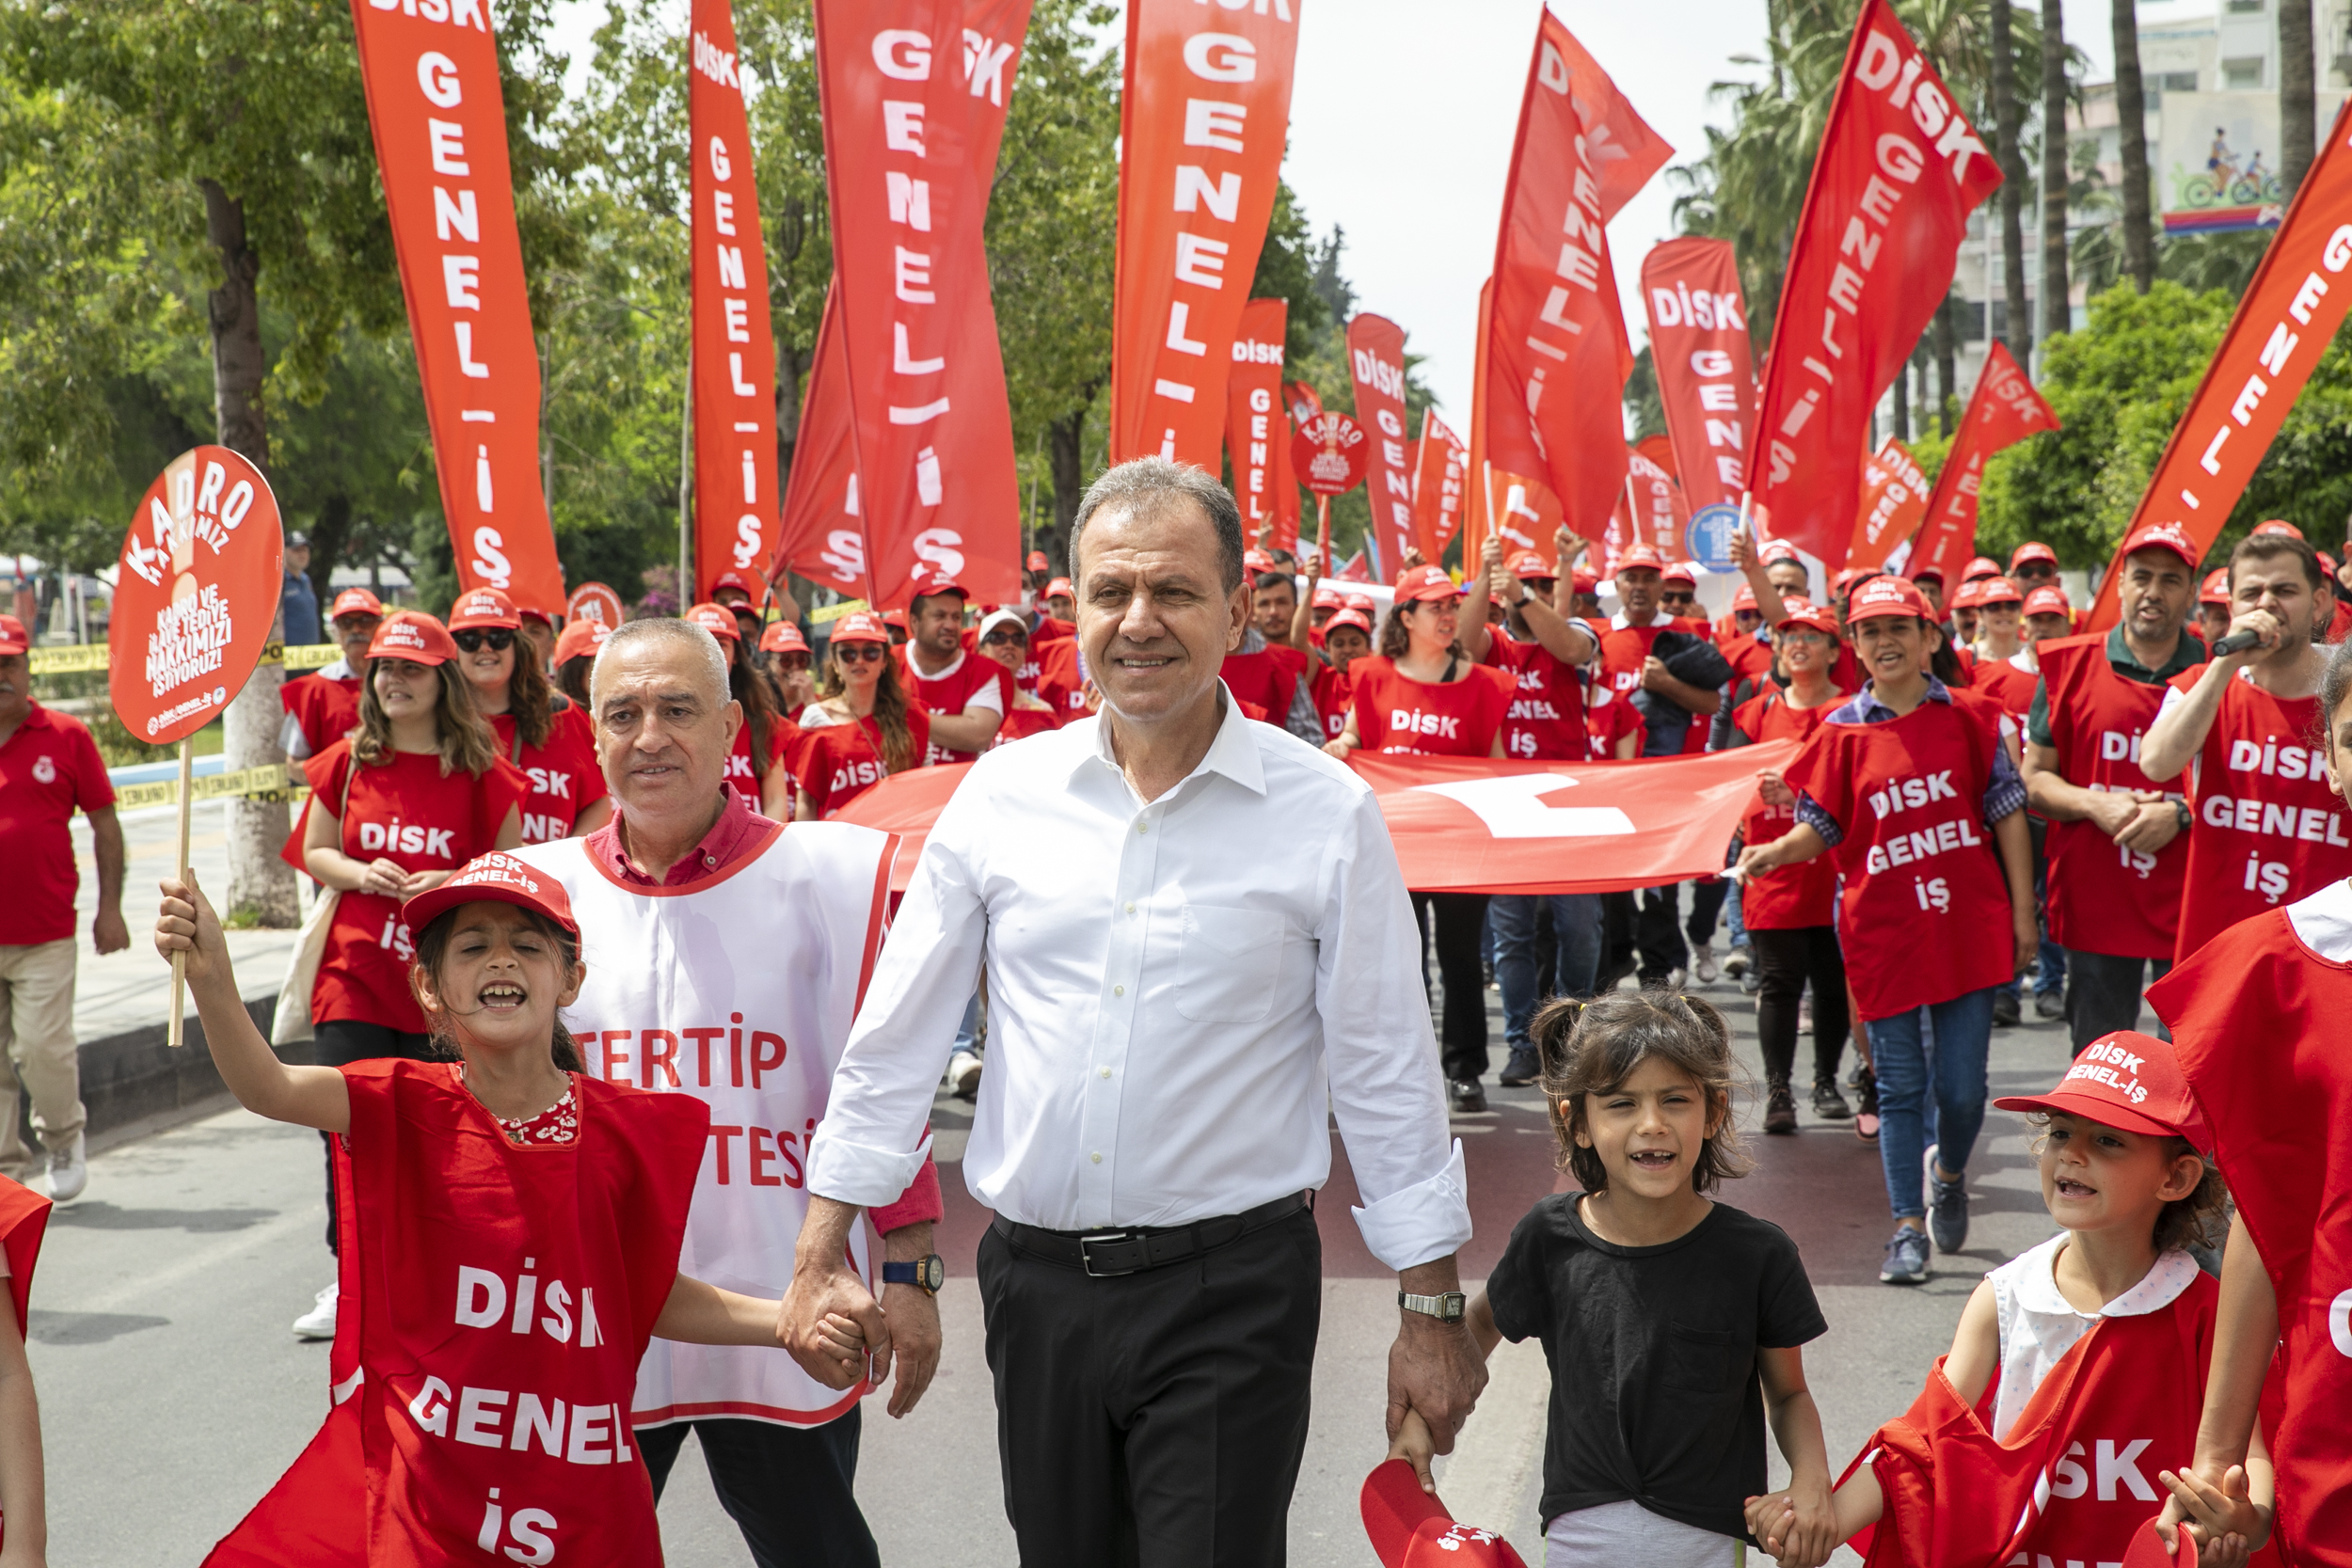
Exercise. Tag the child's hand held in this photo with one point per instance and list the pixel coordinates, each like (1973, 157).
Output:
(1415, 1446)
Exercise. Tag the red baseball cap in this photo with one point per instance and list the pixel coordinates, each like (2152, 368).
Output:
(2163, 536)
(861, 625)
(533, 613)
(1926, 573)
(1885, 596)
(355, 601)
(1680, 571)
(1639, 553)
(1363, 604)
(2275, 525)
(1844, 579)
(1037, 561)
(1582, 581)
(716, 619)
(897, 618)
(1529, 567)
(929, 581)
(1743, 597)
(1060, 589)
(1254, 562)
(1774, 551)
(2216, 588)
(412, 635)
(1991, 590)
(2048, 601)
(580, 640)
(1969, 594)
(12, 637)
(482, 606)
(2128, 1080)
(1410, 1528)
(496, 878)
(1328, 597)
(732, 580)
(783, 637)
(1348, 618)
(1426, 582)
(1983, 566)
(2032, 549)
(1803, 612)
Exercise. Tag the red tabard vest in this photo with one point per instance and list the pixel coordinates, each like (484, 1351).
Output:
(1546, 721)
(564, 774)
(1332, 692)
(2257, 1018)
(1060, 683)
(1459, 719)
(327, 710)
(1792, 896)
(496, 1301)
(1623, 652)
(2077, 1477)
(2003, 683)
(1268, 678)
(1925, 910)
(2101, 898)
(2268, 829)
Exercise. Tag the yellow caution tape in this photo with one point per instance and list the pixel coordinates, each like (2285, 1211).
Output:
(81, 657)
(311, 655)
(268, 783)
(828, 614)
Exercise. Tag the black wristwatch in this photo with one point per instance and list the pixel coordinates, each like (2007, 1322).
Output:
(2183, 816)
(1446, 1308)
(926, 1274)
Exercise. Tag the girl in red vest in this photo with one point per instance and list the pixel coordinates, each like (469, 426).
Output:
(1420, 693)
(868, 726)
(1346, 638)
(1790, 913)
(2043, 1436)
(510, 1243)
(542, 733)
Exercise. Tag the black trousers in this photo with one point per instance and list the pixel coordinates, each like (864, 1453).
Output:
(1658, 933)
(1154, 1419)
(1706, 910)
(1784, 961)
(1620, 924)
(343, 1042)
(2102, 993)
(1456, 921)
(791, 1490)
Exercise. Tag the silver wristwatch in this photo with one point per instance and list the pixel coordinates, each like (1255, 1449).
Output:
(1446, 1308)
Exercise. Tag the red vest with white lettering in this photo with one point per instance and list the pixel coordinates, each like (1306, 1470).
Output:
(1458, 718)
(1924, 915)
(1546, 721)
(1333, 692)
(1790, 897)
(2101, 898)
(1268, 678)
(496, 1300)
(2003, 683)
(2257, 1018)
(737, 991)
(325, 710)
(2076, 1476)
(2268, 829)
(564, 774)
(1060, 678)
(952, 692)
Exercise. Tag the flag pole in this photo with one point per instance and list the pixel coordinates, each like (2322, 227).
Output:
(177, 1036)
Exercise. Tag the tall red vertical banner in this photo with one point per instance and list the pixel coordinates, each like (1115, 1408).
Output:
(1375, 359)
(1556, 342)
(1202, 124)
(1651, 505)
(1257, 428)
(913, 95)
(439, 124)
(2003, 411)
(734, 346)
(1478, 505)
(1440, 485)
(1894, 499)
(1899, 173)
(1698, 342)
(820, 534)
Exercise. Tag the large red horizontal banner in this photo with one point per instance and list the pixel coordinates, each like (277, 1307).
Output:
(1476, 825)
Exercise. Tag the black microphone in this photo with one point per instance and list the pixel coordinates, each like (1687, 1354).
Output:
(2236, 642)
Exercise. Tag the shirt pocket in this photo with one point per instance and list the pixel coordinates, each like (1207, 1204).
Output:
(1227, 962)
(1698, 1361)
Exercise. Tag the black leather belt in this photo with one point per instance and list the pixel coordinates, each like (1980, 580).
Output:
(1109, 1253)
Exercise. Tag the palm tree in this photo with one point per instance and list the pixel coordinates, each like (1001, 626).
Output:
(2056, 316)
(2297, 111)
(2005, 117)
(2131, 112)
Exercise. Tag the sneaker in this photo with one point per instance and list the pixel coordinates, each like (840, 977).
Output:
(1827, 1102)
(1522, 1068)
(963, 1074)
(2048, 1005)
(1866, 1110)
(1752, 982)
(1469, 1095)
(1677, 978)
(1779, 1110)
(69, 1170)
(1707, 971)
(1947, 1207)
(2006, 1013)
(1736, 962)
(1906, 1258)
(319, 1322)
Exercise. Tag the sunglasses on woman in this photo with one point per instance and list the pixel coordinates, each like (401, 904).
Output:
(1004, 634)
(792, 664)
(859, 653)
(472, 638)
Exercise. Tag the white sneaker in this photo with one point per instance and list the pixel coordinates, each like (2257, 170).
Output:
(69, 1172)
(963, 1074)
(319, 1322)
(1676, 977)
(1707, 970)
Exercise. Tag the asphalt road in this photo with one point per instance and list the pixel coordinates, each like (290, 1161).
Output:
(173, 1394)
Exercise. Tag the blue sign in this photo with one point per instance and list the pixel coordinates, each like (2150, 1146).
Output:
(1706, 539)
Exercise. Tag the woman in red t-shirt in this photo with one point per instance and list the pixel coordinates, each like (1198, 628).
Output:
(1004, 637)
(542, 732)
(1418, 693)
(752, 770)
(867, 727)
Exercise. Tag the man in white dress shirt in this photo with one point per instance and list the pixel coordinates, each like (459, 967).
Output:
(1198, 948)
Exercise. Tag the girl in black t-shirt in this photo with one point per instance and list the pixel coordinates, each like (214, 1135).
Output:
(1672, 1322)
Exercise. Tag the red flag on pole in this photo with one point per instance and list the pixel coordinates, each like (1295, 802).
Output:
(1257, 434)
(1664, 508)
(1478, 507)
(734, 346)
(2003, 411)
(1557, 357)
(1376, 358)
(913, 93)
(1894, 499)
(2285, 321)
(1899, 171)
(820, 534)
(1202, 124)
(1698, 342)
(1441, 476)
(439, 125)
